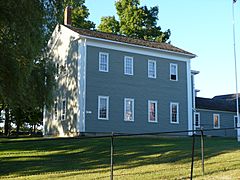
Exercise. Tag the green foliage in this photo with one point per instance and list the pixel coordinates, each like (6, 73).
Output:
(26, 79)
(27, 73)
(135, 21)
(109, 24)
(80, 13)
(21, 40)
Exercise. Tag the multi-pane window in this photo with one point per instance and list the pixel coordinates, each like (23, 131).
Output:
(174, 112)
(103, 104)
(151, 69)
(128, 65)
(216, 121)
(235, 121)
(152, 111)
(173, 72)
(197, 119)
(63, 67)
(57, 69)
(63, 114)
(55, 110)
(128, 109)
(103, 62)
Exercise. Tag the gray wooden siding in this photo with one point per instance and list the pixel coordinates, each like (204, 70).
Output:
(226, 121)
(118, 86)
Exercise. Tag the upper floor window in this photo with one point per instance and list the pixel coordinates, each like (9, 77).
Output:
(235, 121)
(128, 65)
(152, 69)
(216, 121)
(63, 68)
(57, 69)
(152, 111)
(173, 72)
(63, 115)
(103, 62)
(197, 119)
(128, 109)
(103, 104)
(174, 112)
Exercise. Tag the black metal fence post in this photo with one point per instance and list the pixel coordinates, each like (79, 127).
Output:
(112, 151)
(202, 150)
(193, 145)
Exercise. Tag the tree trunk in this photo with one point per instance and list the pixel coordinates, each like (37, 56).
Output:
(18, 127)
(7, 123)
(34, 129)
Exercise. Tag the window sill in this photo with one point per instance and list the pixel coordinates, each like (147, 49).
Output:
(174, 122)
(104, 119)
(125, 120)
(152, 121)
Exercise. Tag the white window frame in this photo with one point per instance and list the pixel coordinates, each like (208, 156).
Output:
(57, 69)
(171, 116)
(126, 58)
(125, 108)
(218, 115)
(107, 107)
(107, 62)
(172, 73)
(235, 122)
(63, 68)
(156, 112)
(154, 70)
(197, 113)
(63, 109)
(55, 110)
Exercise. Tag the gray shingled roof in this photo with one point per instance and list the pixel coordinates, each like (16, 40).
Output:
(124, 39)
(220, 104)
(226, 97)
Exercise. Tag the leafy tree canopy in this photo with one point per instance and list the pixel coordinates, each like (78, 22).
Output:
(135, 21)
(80, 13)
(109, 24)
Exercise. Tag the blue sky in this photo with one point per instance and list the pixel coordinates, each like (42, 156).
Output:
(203, 27)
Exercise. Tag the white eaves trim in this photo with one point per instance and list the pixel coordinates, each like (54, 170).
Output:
(132, 48)
(121, 46)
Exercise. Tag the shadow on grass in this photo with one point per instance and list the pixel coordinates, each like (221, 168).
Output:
(93, 155)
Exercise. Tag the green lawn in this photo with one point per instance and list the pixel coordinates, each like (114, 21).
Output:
(135, 158)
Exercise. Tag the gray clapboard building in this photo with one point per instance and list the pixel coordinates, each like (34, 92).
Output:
(217, 115)
(112, 83)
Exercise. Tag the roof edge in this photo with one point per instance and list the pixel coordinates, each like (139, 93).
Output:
(76, 30)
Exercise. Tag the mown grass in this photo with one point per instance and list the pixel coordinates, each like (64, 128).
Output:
(134, 158)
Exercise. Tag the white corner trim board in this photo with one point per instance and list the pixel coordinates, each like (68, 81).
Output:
(81, 84)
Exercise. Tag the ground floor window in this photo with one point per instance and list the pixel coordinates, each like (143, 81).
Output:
(128, 109)
(235, 121)
(55, 110)
(197, 119)
(152, 111)
(63, 114)
(216, 121)
(103, 104)
(174, 112)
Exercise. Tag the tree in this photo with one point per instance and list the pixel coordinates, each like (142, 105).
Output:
(80, 13)
(21, 41)
(135, 21)
(27, 74)
(109, 24)
(24, 30)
